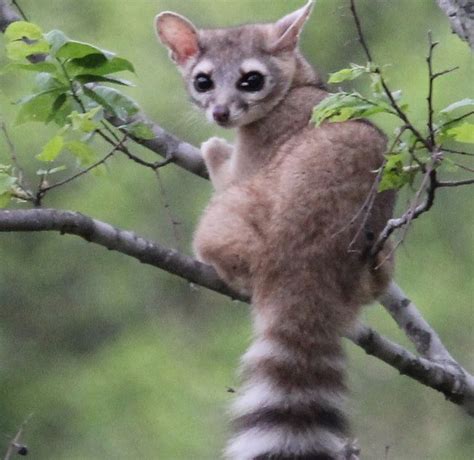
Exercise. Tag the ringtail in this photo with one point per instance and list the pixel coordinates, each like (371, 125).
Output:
(280, 228)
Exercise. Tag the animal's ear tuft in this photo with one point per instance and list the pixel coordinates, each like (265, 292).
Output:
(179, 35)
(288, 28)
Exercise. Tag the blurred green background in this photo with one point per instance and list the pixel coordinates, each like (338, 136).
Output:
(117, 360)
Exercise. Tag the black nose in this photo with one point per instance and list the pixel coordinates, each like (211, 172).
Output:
(221, 114)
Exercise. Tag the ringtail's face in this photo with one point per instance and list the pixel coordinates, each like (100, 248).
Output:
(238, 75)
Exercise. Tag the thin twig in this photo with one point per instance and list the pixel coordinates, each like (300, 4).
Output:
(385, 87)
(22, 181)
(429, 183)
(455, 120)
(174, 222)
(444, 72)
(155, 165)
(369, 200)
(415, 209)
(15, 442)
(360, 32)
(411, 150)
(20, 10)
(123, 148)
(115, 138)
(12, 150)
(466, 168)
(457, 152)
(456, 183)
(84, 171)
(431, 78)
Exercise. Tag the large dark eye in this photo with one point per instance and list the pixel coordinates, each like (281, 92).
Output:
(203, 83)
(251, 82)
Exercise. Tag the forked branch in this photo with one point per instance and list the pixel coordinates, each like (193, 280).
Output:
(455, 383)
(429, 183)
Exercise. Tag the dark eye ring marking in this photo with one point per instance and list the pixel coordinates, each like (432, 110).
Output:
(251, 82)
(203, 83)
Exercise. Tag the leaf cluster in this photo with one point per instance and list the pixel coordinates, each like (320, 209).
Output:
(409, 153)
(72, 90)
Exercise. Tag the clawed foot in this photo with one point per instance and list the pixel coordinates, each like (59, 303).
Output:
(215, 151)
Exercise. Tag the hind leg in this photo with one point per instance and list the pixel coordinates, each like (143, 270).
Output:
(228, 239)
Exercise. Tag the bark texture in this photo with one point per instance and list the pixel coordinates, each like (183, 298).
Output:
(461, 17)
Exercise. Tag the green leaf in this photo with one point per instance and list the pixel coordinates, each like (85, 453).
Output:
(344, 106)
(140, 130)
(462, 133)
(98, 64)
(31, 97)
(19, 50)
(457, 105)
(376, 83)
(395, 180)
(352, 73)
(82, 151)
(86, 122)
(394, 175)
(59, 102)
(90, 78)
(52, 149)
(56, 39)
(37, 107)
(73, 49)
(113, 101)
(45, 81)
(88, 62)
(22, 29)
(24, 39)
(39, 67)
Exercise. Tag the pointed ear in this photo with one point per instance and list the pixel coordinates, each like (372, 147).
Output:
(179, 35)
(288, 28)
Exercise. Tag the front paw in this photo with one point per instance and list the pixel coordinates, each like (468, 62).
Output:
(215, 151)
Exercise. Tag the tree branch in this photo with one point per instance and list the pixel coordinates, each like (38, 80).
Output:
(7, 15)
(455, 183)
(430, 184)
(431, 79)
(126, 242)
(403, 311)
(461, 16)
(168, 146)
(165, 144)
(399, 112)
(15, 447)
(82, 172)
(457, 386)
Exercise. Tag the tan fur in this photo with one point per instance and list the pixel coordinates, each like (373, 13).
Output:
(279, 227)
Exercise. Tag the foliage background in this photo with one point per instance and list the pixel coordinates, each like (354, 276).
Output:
(118, 360)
